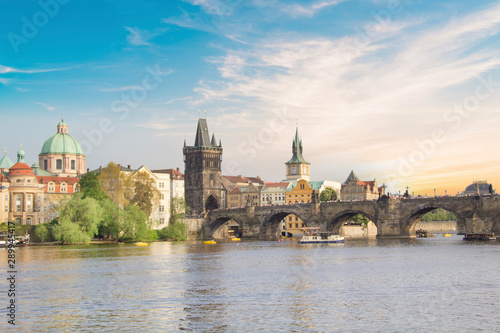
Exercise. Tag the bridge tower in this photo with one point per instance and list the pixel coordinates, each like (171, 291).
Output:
(297, 167)
(202, 171)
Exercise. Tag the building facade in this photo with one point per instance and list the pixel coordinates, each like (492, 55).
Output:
(354, 189)
(202, 176)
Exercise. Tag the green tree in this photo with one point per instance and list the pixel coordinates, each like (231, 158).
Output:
(146, 195)
(135, 224)
(90, 187)
(176, 231)
(360, 219)
(110, 226)
(328, 194)
(78, 220)
(41, 232)
(116, 184)
(178, 210)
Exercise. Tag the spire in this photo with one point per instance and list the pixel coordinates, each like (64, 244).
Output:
(214, 142)
(202, 136)
(297, 149)
(184, 143)
(220, 143)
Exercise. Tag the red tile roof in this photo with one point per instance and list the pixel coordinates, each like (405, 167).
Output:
(57, 180)
(174, 174)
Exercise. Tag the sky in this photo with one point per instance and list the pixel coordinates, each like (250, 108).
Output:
(405, 92)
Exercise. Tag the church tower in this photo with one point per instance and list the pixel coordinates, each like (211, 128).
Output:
(202, 171)
(297, 167)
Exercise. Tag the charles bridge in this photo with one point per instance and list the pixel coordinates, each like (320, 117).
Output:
(393, 217)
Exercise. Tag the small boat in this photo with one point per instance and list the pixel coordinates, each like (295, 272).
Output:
(210, 242)
(141, 244)
(480, 237)
(235, 239)
(313, 236)
(446, 235)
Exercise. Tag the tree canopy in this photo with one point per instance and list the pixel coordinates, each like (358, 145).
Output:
(116, 184)
(90, 187)
(328, 194)
(146, 194)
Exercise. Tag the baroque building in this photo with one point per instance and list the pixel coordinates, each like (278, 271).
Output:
(202, 176)
(62, 154)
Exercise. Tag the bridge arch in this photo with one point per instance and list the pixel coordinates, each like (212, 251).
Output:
(339, 219)
(219, 222)
(411, 219)
(272, 221)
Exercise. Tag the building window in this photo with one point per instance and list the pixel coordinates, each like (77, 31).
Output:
(162, 220)
(161, 185)
(6, 208)
(51, 206)
(296, 225)
(58, 164)
(162, 208)
(162, 196)
(296, 218)
(44, 208)
(45, 165)
(6, 197)
(289, 226)
(28, 220)
(18, 203)
(289, 218)
(51, 216)
(73, 165)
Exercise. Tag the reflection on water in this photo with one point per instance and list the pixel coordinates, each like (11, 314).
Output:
(374, 285)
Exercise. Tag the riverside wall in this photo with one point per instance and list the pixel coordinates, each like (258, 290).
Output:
(437, 226)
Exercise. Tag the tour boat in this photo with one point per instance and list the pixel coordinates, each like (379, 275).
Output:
(481, 237)
(313, 236)
(210, 242)
(141, 244)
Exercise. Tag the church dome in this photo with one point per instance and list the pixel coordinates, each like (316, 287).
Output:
(62, 142)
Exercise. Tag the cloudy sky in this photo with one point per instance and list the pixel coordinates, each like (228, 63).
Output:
(407, 92)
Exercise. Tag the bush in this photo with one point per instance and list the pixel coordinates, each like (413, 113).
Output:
(176, 232)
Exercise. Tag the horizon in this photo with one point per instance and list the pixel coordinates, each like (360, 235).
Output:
(404, 93)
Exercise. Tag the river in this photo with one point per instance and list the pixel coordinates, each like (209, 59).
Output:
(426, 285)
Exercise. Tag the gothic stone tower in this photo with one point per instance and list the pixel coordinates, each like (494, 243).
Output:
(297, 167)
(202, 175)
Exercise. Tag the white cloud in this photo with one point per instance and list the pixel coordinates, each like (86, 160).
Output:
(296, 10)
(7, 69)
(124, 88)
(46, 106)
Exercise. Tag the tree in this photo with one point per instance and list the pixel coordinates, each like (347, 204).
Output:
(178, 210)
(41, 232)
(90, 187)
(146, 195)
(116, 184)
(78, 220)
(360, 219)
(134, 224)
(110, 226)
(328, 194)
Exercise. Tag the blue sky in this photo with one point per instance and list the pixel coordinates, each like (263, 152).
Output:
(406, 92)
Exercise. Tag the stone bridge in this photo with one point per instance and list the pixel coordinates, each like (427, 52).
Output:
(393, 218)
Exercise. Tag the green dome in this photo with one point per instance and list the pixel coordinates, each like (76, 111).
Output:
(62, 123)
(61, 143)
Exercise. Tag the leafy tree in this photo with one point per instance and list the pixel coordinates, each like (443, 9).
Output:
(90, 187)
(328, 194)
(115, 184)
(176, 231)
(79, 220)
(360, 219)
(135, 224)
(146, 195)
(439, 215)
(110, 226)
(178, 210)
(41, 232)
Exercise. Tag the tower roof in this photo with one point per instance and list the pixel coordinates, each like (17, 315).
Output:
(61, 142)
(5, 162)
(352, 176)
(297, 150)
(203, 137)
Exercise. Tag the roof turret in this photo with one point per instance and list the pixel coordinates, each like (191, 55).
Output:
(297, 150)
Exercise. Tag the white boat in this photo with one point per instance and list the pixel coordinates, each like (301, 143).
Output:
(313, 236)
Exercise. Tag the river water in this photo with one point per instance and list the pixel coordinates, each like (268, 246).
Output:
(426, 285)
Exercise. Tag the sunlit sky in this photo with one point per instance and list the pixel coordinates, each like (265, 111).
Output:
(407, 92)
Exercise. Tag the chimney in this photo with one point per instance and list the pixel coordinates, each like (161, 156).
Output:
(177, 169)
(88, 170)
(128, 166)
(100, 168)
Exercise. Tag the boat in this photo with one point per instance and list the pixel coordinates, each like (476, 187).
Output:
(210, 242)
(481, 237)
(18, 240)
(313, 236)
(446, 235)
(235, 239)
(141, 244)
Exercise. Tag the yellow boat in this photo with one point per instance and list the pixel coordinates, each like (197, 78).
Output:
(210, 242)
(141, 244)
(446, 235)
(235, 239)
